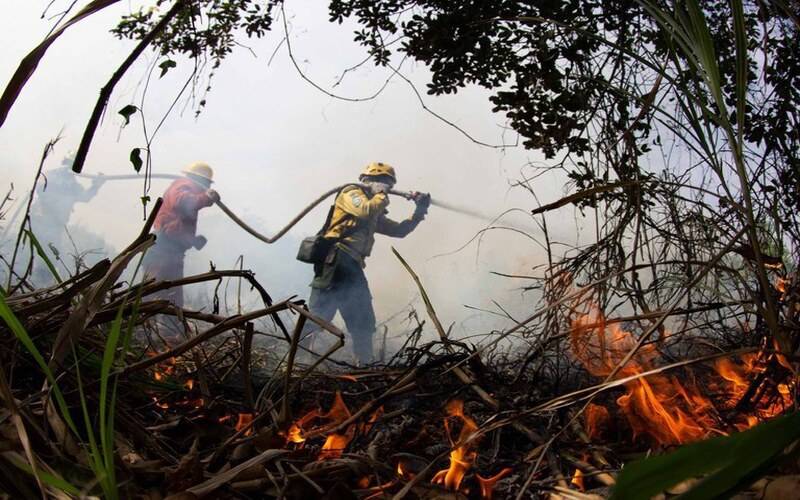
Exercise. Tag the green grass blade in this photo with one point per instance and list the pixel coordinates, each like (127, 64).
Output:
(47, 478)
(733, 461)
(22, 335)
(106, 420)
(740, 32)
(95, 455)
(39, 250)
(704, 47)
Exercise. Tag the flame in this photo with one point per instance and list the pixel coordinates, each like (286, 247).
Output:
(339, 411)
(780, 285)
(597, 418)
(335, 443)
(189, 385)
(295, 434)
(363, 483)
(224, 419)
(577, 480)
(402, 472)
(487, 484)
(658, 406)
(245, 419)
(160, 404)
(164, 369)
(462, 457)
(366, 427)
(776, 398)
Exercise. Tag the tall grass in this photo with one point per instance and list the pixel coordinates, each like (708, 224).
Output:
(735, 461)
(98, 430)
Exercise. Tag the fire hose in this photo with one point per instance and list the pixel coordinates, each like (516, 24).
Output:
(266, 239)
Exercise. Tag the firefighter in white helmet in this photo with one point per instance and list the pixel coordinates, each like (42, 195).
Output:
(339, 284)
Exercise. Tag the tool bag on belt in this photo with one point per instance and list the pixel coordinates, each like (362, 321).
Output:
(314, 249)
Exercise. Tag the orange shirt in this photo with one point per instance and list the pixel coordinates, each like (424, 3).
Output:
(177, 219)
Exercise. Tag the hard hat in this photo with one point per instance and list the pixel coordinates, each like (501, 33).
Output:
(200, 169)
(377, 168)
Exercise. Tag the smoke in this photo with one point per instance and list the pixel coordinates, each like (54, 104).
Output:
(275, 144)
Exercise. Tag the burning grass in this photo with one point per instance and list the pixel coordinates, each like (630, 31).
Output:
(207, 415)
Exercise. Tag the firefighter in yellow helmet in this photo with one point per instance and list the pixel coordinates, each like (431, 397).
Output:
(176, 227)
(339, 284)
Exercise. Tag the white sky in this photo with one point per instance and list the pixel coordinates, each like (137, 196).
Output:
(276, 143)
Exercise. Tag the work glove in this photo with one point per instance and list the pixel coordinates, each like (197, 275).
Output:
(423, 201)
(213, 195)
(199, 242)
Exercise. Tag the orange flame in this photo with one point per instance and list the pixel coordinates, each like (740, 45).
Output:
(336, 443)
(597, 418)
(189, 385)
(577, 480)
(295, 434)
(487, 484)
(163, 369)
(245, 419)
(739, 378)
(462, 456)
(658, 406)
(160, 404)
(402, 472)
(339, 411)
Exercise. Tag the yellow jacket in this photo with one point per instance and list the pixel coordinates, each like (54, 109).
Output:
(355, 208)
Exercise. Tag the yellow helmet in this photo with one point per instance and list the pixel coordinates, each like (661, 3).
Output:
(200, 169)
(377, 168)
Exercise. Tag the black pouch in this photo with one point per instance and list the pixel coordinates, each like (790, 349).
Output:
(314, 249)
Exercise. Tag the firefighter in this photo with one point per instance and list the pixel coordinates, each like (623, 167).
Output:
(339, 283)
(176, 226)
(50, 214)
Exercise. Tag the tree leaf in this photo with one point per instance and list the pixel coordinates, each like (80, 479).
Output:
(127, 111)
(734, 462)
(165, 66)
(136, 158)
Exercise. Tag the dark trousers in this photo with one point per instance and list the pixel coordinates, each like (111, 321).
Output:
(164, 262)
(348, 293)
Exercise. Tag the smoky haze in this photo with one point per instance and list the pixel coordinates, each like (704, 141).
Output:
(275, 144)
